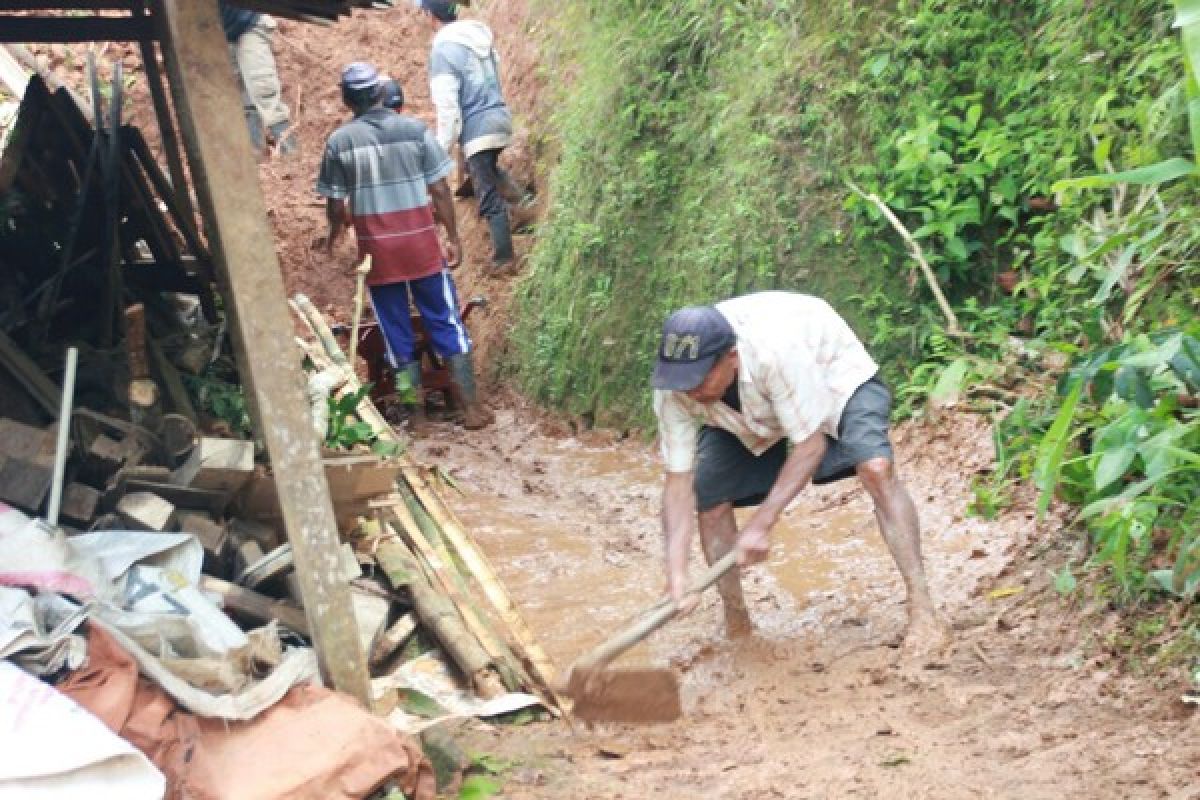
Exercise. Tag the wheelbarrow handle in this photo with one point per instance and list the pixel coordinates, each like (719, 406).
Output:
(653, 619)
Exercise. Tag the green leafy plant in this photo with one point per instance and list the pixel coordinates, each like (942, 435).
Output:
(345, 430)
(223, 400)
(1129, 411)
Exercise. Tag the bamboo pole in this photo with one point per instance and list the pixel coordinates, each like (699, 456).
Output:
(366, 410)
(437, 614)
(418, 538)
(537, 662)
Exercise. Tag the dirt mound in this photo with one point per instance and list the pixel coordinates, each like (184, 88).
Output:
(310, 58)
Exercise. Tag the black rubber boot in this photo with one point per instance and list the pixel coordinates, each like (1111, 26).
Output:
(476, 415)
(258, 137)
(502, 245)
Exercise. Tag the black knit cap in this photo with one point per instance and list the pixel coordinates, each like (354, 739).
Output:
(444, 10)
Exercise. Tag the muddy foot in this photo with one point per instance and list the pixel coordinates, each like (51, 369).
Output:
(926, 643)
(738, 626)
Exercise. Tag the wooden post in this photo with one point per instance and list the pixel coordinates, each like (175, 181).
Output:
(209, 108)
(166, 125)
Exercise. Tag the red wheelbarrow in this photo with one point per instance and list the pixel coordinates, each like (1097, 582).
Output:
(435, 375)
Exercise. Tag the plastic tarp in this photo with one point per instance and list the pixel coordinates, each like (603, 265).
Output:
(141, 587)
(314, 744)
(428, 675)
(54, 748)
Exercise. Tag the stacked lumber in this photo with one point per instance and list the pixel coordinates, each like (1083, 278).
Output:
(424, 550)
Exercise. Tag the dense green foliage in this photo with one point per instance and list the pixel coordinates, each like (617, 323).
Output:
(705, 149)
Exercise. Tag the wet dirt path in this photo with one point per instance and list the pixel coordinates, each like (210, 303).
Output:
(814, 705)
(1028, 706)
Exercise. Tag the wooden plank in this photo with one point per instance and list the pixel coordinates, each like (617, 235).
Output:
(178, 196)
(144, 511)
(257, 606)
(209, 106)
(74, 29)
(25, 484)
(217, 464)
(79, 503)
(40, 388)
(212, 535)
(19, 440)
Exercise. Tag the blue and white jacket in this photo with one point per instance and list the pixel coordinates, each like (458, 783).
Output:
(464, 80)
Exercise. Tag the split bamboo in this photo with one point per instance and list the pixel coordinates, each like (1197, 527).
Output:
(537, 662)
(438, 614)
(418, 537)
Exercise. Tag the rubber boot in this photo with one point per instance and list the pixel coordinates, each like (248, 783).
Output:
(502, 244)
(258, 138)
(476, 415)
(408, 389)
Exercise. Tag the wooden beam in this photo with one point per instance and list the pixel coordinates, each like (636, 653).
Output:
(74, 29)
(61, 5)
(209, 107)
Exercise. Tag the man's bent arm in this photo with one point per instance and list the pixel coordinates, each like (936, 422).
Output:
(443, 207)
(335, 215)
(678, 515)
(797, 471)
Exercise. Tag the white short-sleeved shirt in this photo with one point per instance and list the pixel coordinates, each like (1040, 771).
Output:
(798, 364)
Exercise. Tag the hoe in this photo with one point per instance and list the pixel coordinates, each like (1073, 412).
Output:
(651, 694)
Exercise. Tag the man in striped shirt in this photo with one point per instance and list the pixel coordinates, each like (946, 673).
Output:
(756, 397)
(390, 170)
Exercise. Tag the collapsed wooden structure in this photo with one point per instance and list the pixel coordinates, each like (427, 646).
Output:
(156, 240)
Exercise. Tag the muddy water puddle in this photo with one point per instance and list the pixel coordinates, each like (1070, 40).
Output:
(574, 532)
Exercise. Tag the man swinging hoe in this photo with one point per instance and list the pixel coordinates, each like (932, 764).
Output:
(756, 397)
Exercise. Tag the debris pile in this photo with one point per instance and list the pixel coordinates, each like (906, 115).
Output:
(145, 570)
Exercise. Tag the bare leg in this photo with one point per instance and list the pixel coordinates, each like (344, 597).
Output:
(897, 518)
(718, 533)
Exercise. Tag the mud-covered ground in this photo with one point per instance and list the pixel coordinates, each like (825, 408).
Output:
(813, 707)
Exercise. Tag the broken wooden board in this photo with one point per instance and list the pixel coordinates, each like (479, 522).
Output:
(212, 535)
(256, 606)
(217, 464)
(24, 484)
(26, 442)
(79, 503)
(353, 481)
(211, 502)
(144, 511)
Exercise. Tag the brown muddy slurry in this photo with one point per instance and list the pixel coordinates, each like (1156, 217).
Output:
(815, 704)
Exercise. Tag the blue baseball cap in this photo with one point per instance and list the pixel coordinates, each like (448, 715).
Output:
(360, 75)
(693, 338)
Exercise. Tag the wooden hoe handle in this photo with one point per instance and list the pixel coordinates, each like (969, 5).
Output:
(652, 620)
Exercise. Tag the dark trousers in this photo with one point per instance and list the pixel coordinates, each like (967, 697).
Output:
(486, 174)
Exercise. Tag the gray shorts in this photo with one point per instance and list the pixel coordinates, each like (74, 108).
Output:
(726, 471)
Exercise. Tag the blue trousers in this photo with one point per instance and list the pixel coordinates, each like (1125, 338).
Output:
(436, 300)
